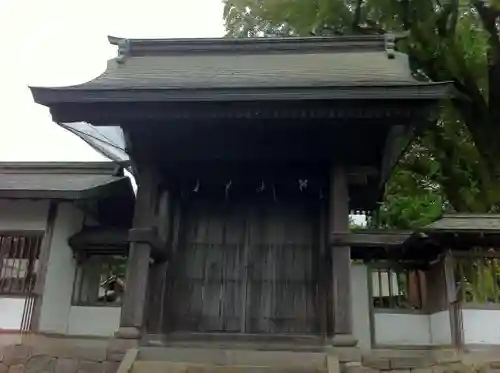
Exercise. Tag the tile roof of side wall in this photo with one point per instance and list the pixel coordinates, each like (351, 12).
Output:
(62, 180)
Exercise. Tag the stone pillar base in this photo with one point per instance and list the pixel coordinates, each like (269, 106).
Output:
(344, 354)
(128, 332)
(344, 340)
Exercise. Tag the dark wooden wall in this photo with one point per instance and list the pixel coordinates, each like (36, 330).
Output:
(246, 267)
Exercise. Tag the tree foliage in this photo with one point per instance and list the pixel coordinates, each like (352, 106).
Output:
(456, 163)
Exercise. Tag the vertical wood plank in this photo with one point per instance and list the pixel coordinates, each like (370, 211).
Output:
(321, 288)
(494, 278)
(244, 281)
(391, 290)
(171, 306)
(454, 308)
(371, 304)
(461, 273)
(198, 267)
(164, 217)
(234, 237)
(481, 277)
(341, 258)
(156, 316)
(451, 295)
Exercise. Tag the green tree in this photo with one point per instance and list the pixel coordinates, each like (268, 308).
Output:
(456, 163)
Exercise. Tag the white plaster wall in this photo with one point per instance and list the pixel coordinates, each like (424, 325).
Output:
(481, 326)
(11, 313)
(56, 304)
(361, 306)
(402, 329)
(440, 328)
(94, 321)
(23, 214)
(390, 328)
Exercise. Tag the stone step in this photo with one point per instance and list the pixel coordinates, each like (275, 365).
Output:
(400, 359)
(234, 357)
(241, 342)
(179, 367)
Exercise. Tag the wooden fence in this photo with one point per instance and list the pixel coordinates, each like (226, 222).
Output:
(19, 262)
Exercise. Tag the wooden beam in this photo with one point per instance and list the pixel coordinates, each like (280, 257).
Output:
(133, 308)
(341, 259)
(367, 238)
(149, 236)
(98, 236)
(105, 239)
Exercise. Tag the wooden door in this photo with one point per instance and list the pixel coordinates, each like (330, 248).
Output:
(282, 282)
(208, 271)
(246, 268)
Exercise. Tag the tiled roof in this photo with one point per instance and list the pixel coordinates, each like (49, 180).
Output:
(466, 223)
(61, 180)
(174, 69)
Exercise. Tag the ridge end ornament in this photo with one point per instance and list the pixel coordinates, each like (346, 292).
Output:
(123, 51)
(390, 46)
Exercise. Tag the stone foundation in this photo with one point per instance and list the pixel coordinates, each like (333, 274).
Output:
(430, 362)
(40, 354)
(44, 354)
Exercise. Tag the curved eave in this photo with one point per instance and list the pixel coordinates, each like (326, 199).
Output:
(70, 95)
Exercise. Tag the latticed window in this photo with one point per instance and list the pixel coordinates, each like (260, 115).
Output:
(397, 288)
(478, 277)
(99, 281)
(19, 261)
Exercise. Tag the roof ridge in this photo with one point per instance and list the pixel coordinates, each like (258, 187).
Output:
(148, 47)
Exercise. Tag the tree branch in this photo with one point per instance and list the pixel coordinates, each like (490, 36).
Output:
(451, 181)
(357, 15)
(489, 17)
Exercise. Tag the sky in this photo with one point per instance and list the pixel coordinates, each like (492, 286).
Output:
(64, 42)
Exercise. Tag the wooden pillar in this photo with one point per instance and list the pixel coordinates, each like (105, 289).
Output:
(453, 302)
(341, 259)
(43, 265)
(132, 314)
(158, 271)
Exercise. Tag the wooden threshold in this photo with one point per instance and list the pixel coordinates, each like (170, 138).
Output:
(263, 342)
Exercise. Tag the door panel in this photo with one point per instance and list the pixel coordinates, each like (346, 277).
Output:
(207, 272)
(281, 282)
(246, 268)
